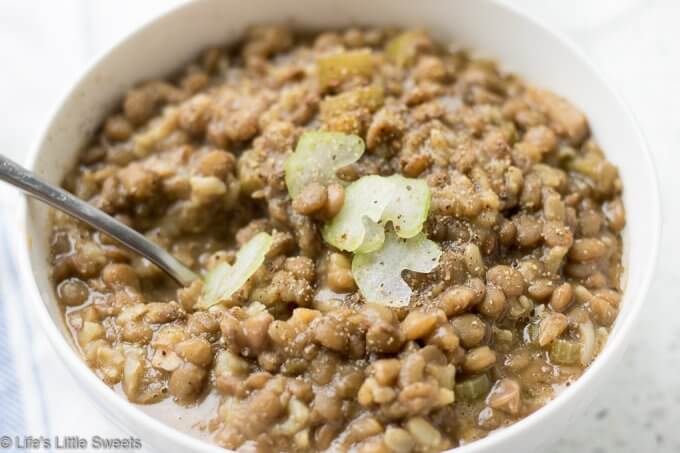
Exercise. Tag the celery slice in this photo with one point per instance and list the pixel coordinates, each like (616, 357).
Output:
(318, 156)
(378, 274)
(356, 225)
(374, 236)
(225, 279)
(370, 203)
(409, 206)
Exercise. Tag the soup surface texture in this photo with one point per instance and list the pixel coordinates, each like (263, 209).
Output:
(404, 248)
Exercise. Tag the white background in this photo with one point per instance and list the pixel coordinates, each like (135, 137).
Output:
(636, 43)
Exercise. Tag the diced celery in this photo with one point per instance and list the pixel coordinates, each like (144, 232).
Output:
(601, 172)
(473, 388)
(379, 274)
(403, 48)
(531, 333)
(370, 98)
(225, 279)
(520, 308)
(565, 352)
(336, 68)
(318, 156)
(588, 165)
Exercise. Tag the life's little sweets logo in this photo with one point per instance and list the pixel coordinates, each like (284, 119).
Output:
(69, 443)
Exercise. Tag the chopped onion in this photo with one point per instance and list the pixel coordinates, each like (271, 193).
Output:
(225, 279)
(378, 274)
(587, 333)
(317, 157)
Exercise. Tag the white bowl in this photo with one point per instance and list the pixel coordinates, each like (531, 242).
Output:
(518, 42)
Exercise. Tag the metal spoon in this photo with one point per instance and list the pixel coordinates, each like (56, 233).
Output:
(16, 175)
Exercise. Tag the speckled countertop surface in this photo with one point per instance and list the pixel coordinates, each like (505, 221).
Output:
(636, 44)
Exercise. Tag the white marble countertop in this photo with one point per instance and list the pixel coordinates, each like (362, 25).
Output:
(636, 43)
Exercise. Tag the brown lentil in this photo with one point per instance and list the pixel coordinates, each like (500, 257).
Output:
(478, 359)
(562, 297)
(470, 329)
(312, 199)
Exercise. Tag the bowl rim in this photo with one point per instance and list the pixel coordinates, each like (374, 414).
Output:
(116, 407)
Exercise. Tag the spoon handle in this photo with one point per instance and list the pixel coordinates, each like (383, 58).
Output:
(16, 175)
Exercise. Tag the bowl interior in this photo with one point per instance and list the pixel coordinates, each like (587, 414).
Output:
(492, 29)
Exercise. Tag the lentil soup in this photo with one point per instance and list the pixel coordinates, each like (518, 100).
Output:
(404, 248)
